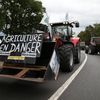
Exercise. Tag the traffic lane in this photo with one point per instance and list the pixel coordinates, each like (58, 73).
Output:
(86, 86)
(21, 90)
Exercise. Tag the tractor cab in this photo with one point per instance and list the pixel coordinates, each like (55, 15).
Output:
(62, 29)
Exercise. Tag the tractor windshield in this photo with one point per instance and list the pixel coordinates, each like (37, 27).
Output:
(60, 31)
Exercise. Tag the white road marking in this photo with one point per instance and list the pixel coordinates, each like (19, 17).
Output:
(59, 92)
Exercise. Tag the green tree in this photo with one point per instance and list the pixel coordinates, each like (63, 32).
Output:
(86, 35)
(20, 16)
(90, 31)
(96, 30)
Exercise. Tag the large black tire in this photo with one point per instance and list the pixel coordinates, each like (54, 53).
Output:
(77, 54)
(86, 49)
(66, 58)
(91, 49)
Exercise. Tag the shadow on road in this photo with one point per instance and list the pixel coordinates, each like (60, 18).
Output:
(21, 90)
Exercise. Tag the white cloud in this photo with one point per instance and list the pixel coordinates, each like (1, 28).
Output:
(85, 11)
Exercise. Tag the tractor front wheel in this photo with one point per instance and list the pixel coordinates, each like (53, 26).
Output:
(66, 58)
(77, 54)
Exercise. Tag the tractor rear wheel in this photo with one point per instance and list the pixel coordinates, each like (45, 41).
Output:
(77, 54)
(66, 58)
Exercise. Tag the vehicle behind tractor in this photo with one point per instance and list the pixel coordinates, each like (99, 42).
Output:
(94, 46)
(39, 56)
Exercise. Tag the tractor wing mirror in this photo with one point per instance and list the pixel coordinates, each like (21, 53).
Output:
(77, 24)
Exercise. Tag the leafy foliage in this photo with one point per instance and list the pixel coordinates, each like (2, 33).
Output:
(90, 31)
(20, 16)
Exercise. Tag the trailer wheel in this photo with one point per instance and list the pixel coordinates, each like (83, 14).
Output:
(66, 58)
(77, 55)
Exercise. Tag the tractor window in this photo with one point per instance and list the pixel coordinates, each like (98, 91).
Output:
(96, 39)
(70, 31)
(60, 31)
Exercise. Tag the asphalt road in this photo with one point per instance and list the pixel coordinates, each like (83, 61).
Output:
(11, 89)
(86, 85)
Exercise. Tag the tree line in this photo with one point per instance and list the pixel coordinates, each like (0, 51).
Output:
(90, 31)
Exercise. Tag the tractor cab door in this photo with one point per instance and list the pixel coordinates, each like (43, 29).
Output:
(59, 31)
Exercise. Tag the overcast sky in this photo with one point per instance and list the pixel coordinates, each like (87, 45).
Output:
(85, 11)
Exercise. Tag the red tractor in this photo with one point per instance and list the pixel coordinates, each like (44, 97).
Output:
(68, 47)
